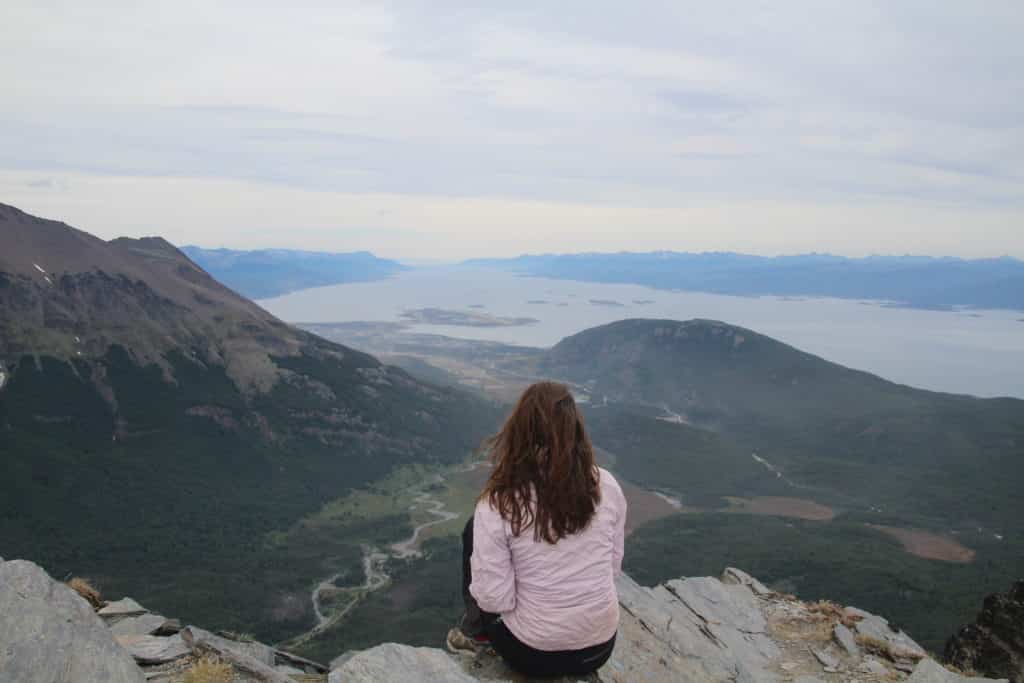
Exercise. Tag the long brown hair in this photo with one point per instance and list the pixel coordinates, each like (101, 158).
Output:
(544, 473)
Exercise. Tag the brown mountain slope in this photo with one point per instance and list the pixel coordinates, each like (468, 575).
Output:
(164, 436)
(66, 293)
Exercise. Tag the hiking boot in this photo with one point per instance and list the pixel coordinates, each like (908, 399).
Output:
(461, 644)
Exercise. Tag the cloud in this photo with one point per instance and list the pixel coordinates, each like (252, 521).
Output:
(216, 213)
(594, 105)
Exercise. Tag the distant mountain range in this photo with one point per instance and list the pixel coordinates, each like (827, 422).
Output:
(266, 273)
(156, 429)
(916, 281)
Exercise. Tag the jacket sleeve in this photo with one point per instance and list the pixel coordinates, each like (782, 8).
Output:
(618, 541)
(493, 578)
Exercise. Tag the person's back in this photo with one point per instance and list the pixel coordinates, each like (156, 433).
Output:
(564, 593)
(545, 543)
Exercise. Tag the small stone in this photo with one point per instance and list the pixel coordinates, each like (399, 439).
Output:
(168, 628)
(827, 658)
(872, 666)
(846, 640)
(142, 625)
(738, 577)
(119, 609)
(855, 613)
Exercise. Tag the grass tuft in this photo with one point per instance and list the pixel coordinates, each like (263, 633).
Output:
(209, 670)
(87, 591)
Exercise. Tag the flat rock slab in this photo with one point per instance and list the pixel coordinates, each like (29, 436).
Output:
(900, 645)
(691, 630)
(119, 609)
(846, 640)
(264, 654)
(142, 625)
(50, 633)
(154, 649)
(393, 662)
(930, 671)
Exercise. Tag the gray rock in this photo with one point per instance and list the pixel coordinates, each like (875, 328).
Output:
(168, 628)
(153, 649)
(50, 634)
(930, 671)
(872, 666)
(248, 658)
(141, 625)
(308, 666)
(827, 658)
(696, 629)
(263, 654)
(341, 659)
(856, 613)
(846, 640)
(900, 645)
(393, 662)
(119, 609)
(739, 577)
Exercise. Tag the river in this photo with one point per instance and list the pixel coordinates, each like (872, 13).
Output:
(375, 561)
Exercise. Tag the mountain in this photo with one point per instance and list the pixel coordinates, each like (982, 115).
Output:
(821, 424)
(266, 273)
(164, 435)
(824, 481)
(916, 281)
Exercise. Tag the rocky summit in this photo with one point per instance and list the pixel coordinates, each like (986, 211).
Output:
(692, 629)
(994, 643)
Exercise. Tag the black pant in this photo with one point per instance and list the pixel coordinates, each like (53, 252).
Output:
(520, 656)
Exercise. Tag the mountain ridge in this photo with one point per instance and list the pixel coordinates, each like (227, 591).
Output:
(267, 273)
(915, 281)
(140, 394)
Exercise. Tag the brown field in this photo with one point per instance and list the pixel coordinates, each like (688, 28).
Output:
(928, 545)
(777, 506)
(644, 506)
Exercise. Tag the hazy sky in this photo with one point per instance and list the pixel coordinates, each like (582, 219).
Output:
(440, 130)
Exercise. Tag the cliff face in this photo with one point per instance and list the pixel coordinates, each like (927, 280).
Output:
(695, 629)
(994, 644)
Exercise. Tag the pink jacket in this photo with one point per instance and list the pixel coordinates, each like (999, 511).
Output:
(552, 597)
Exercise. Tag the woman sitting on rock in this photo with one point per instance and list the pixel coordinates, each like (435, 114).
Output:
(543, 548)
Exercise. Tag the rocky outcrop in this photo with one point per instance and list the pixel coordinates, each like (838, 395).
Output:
(699, 629)
(994, 644)
(695, 629)
(50, 633)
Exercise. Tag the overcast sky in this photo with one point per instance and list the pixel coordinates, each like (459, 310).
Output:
(436, 130)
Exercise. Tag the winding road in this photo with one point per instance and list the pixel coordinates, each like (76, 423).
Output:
(374, 561)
